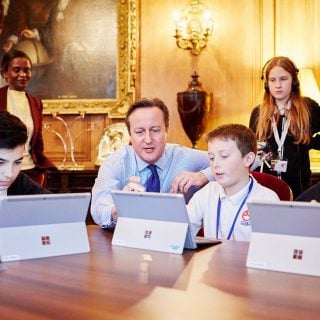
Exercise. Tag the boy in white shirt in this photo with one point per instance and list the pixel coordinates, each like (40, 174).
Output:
(220, 207)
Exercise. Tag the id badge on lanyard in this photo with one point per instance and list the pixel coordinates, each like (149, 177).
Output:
(237, 214)
(280, 164)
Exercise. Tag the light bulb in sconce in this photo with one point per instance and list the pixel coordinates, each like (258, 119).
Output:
(176, 17)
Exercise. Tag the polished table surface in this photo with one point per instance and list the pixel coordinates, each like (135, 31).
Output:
(121, 283)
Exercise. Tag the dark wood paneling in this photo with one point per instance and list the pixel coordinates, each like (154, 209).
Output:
(65, 181)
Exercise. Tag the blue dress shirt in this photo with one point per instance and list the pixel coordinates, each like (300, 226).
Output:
(124, 163)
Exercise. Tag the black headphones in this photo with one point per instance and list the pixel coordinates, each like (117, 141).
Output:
(295, 80)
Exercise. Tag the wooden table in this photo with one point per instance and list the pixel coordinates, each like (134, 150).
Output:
(121, 283)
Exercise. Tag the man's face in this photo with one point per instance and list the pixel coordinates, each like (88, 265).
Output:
(19, 74)
(10, 163)
(148, 133)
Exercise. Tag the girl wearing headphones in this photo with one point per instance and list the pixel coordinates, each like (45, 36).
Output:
(285, 122)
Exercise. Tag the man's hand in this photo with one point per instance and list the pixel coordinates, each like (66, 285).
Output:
(134, 185)
(184, 180)
(114, 214)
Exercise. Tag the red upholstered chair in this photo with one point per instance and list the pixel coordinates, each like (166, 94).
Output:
(280, 187)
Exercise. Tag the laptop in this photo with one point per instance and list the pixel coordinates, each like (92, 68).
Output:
(285, 236)
(153, 221)
(43, 225)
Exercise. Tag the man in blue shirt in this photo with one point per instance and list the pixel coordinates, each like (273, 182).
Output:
(180, 169)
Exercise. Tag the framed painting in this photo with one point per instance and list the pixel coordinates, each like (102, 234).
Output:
(84, 52)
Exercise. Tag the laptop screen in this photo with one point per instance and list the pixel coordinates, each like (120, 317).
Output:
(151, 206)
(154, 206)
(40, 209)
(285, 217)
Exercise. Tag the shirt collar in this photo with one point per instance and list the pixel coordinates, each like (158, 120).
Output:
(284, 109)
(160, 163)
(237, 197)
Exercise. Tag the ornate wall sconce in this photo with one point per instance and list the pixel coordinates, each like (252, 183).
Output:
(194, 26)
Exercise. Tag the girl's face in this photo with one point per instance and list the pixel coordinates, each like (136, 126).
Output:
(280, 85)
(18, 74)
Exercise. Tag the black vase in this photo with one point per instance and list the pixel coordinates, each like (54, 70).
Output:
(193, 105)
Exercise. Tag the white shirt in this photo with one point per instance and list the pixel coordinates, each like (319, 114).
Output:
(202, 210)
(18, 105)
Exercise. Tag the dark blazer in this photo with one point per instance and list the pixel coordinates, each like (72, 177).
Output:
(38, 157)
(312, 193)
(25, 185)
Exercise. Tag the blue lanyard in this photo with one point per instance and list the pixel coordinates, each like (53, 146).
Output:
(237, 214)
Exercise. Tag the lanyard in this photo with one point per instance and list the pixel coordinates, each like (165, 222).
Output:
(285, 128)
(237, 214)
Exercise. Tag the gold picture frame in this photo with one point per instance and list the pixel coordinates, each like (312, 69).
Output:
(127, 19)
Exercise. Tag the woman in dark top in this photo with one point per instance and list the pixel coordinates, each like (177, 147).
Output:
(286, 122)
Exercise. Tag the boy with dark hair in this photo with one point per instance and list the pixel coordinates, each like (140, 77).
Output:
(220, 207)
(13, 136)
